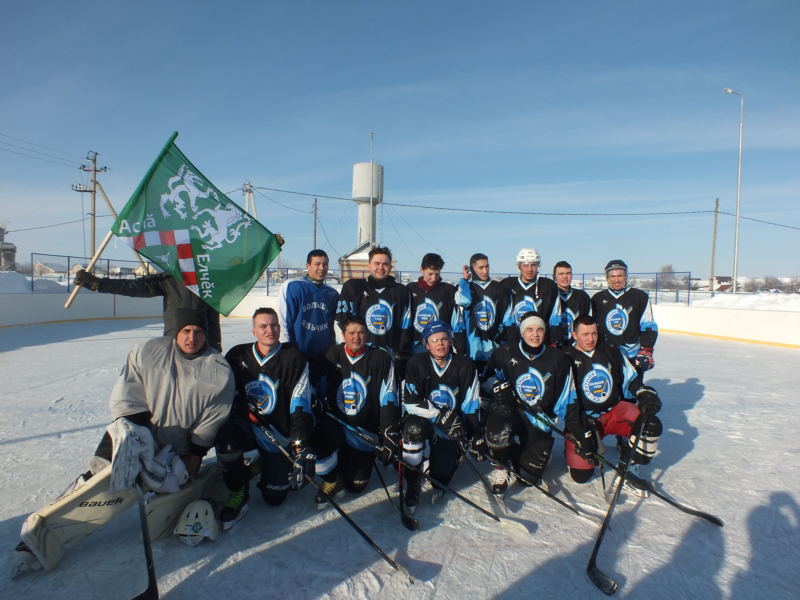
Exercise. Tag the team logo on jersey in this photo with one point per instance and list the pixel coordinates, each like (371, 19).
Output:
(485, 312)
(263, 393)
(617, 320)
(379, 317)
(530, 386)
(443, 397)
(352, 394)
(596, 384)
(426, 312)
(525, 305)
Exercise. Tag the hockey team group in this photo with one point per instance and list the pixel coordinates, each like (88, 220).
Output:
(428, 375)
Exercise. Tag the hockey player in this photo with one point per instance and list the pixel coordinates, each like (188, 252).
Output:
(434, 300)
(307, 307)
(272, 383)
(176, 296)
(384, 304)
(624, 317)
(443, 405)
(356, 383)
(529, 293)
(484, 303)
(572, 303)
(603, 378)
(524, 377)
(175, 391)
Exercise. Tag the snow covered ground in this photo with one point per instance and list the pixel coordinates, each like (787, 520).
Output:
(729, 447)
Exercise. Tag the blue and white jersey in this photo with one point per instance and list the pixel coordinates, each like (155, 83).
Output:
(537, 296)
(603, 377)
(571, 304)
(484, 304)
(429, 388)
(542, 382)
(436, 304)
(306, 312)
(625, 318)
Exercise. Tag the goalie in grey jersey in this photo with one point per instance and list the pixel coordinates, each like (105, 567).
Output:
(168, 403)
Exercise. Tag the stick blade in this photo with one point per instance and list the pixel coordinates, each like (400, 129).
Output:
(603, 582)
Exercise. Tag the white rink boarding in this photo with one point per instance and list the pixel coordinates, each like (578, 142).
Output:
(759, 326)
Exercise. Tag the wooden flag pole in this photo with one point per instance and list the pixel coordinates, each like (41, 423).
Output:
(116, 216)
(91, 265)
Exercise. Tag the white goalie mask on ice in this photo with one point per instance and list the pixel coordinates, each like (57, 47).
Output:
(197, 522)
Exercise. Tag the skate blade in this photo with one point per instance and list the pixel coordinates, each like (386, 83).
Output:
(226, 526)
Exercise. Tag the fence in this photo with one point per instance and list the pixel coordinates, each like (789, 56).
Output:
(671, 288)
(54, 273)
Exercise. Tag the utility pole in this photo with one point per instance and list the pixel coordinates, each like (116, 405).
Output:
(249, 200)
(92, 156)
(371, 189)
(713, 248)
(315, 222)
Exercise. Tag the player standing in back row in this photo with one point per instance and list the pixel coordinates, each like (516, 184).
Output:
(530, 293)
(625, 318)
(434, 300)
(484, 303)
(385, 306)
(572, 303)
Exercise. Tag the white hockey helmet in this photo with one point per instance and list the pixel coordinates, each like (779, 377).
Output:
(528, 255)
(197, 522)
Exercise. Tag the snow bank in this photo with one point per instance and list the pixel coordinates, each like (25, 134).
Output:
(14, 283)
(763, 301)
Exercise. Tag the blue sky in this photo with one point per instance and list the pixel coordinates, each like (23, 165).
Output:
(580, 107)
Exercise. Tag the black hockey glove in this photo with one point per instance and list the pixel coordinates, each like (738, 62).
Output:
(644, 359)
(390, 440)
(649, 402)
(305, 462)
(478, 447)
(586, 443)
(450, 424)
(503, 395)
(87, 280)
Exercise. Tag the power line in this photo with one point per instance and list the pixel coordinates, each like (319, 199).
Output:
(42, 159)
(56, 224)
(411, 252)
(760, 221)
(536, 213)
(423, 239)
(306, 212)
(34, 151)
(40, 146)
(326, 238)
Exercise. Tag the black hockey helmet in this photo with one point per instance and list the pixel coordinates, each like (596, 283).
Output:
(616, 264)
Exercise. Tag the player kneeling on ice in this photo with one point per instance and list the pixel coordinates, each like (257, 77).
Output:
(532, 385)
(443, 405)
(271, 387)
(604, 378)
(168, 403)
(356, 384)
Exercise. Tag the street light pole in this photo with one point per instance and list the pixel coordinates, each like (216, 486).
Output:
(738, 191)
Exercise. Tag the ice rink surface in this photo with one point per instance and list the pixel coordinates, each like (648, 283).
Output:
(731, 447)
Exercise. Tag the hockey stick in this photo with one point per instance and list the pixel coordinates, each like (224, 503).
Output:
(151, 593)
(408, 521)
(408, 465)
(607, 585)
(550, 495)
(485, 483)
(643, 482)
(254, 419)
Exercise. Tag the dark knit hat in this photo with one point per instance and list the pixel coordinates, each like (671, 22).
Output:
(189, 316)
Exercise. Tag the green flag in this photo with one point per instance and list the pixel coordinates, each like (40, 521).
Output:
(185, 225)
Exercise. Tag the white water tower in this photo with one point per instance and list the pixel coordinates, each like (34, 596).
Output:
(368, 193)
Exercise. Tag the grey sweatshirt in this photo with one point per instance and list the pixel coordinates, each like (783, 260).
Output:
(189, 397)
